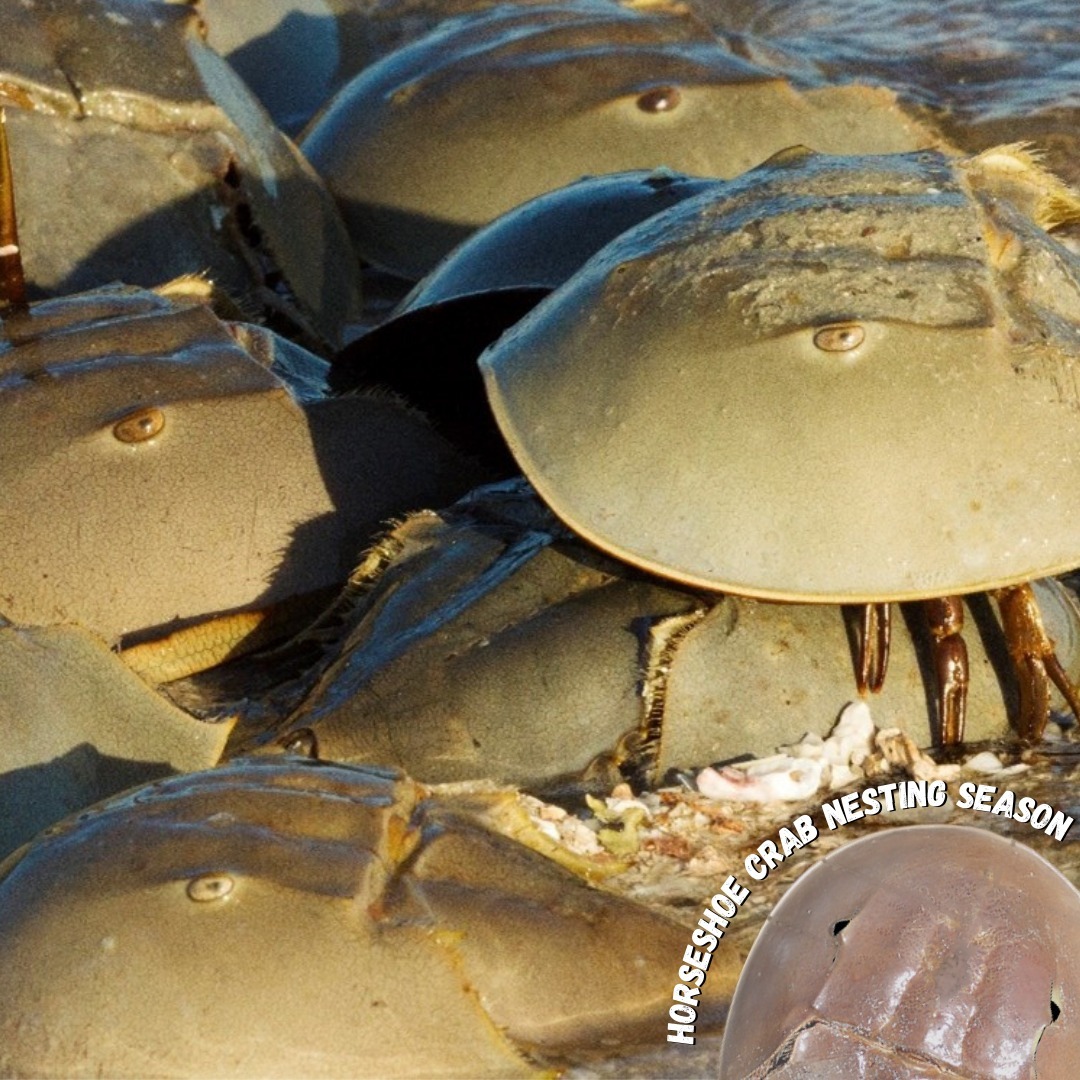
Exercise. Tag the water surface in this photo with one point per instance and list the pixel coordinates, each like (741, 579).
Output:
(992, 70)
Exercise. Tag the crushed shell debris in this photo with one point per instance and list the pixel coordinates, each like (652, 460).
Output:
(668, 847)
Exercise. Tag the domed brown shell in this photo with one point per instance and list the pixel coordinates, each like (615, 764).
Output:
(291, 918)
(154, 466)
(837, 379)
(489, 110)
(138, 155)
(928, 951)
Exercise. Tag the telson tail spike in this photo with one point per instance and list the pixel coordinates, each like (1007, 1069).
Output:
(12, 281)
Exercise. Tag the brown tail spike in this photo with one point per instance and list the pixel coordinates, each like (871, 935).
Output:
(12, 282)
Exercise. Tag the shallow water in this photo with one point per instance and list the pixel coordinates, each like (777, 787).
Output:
(980, 59)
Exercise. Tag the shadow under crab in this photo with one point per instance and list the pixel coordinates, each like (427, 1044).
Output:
(487, 641)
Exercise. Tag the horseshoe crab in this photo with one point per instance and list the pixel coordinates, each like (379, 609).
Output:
(155, 469)
(101, 89)
(837, 380)
(427, 349)
(930, 950)
(80, 726)
(487, 641)
(493, 108)
(296, 918)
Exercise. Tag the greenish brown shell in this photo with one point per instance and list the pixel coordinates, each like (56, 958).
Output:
(155, 467)
(485, 641)
(492, 109)
(839, 379)
(290, 918)
(102, 89)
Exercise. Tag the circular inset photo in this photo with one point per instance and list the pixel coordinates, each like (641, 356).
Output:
(924, 951)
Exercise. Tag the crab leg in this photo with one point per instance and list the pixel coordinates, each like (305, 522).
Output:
(1035, 661)
(12, 282)
(874, 647)
(945, 618)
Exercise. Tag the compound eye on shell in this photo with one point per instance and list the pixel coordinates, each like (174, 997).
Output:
(301, 742)
(140, 425)
(209, 887)
(659, 99)
(841, 337)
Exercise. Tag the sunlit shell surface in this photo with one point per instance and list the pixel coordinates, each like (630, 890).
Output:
(540, 243)
(492, 109)
(484, 641)
(295, 919)
(153, 468)
(838, 379)
(104, 89)
(928, 951)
